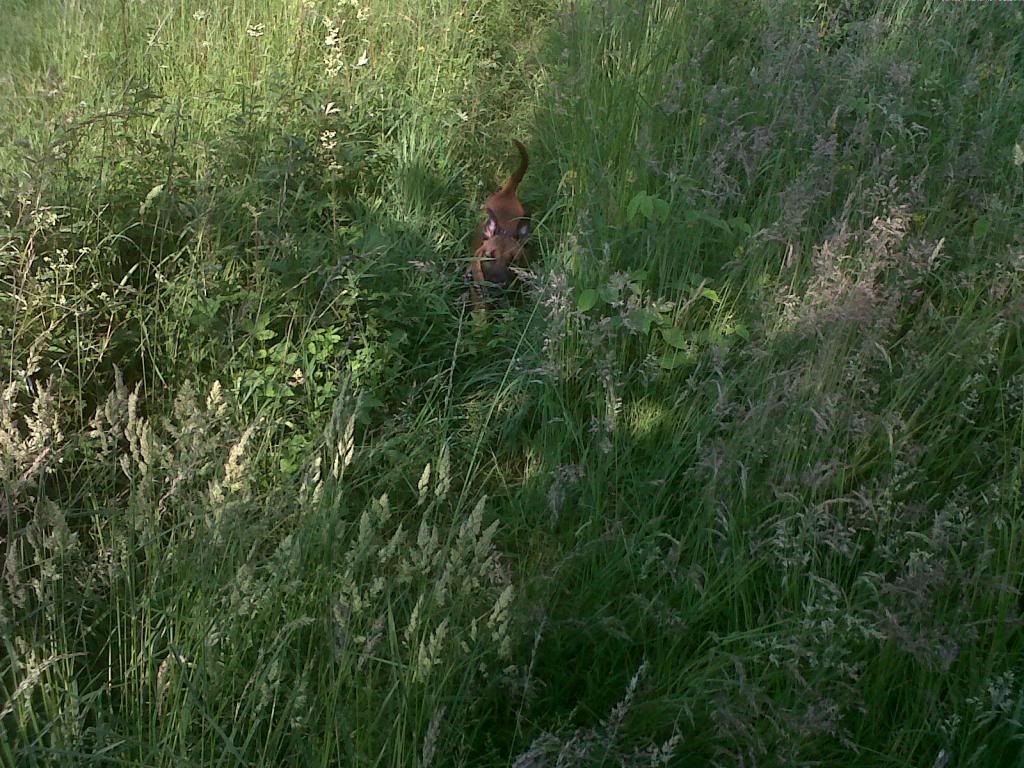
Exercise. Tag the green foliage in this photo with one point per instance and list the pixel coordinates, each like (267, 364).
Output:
(653, 209)
(733, 477)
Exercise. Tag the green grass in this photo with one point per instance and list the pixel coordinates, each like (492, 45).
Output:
(734, 480)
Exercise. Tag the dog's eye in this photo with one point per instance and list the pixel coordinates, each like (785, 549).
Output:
(523, 231)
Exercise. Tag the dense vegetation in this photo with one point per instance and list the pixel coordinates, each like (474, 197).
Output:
(734, 479)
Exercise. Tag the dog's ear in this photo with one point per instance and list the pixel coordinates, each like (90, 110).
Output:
(491, 225)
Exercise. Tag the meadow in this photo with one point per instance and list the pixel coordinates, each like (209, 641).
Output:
(732, 479)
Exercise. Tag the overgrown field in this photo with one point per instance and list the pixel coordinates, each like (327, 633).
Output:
(734, 479)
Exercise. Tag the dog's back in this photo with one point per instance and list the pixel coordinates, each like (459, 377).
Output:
(498, 243)
(506, 215)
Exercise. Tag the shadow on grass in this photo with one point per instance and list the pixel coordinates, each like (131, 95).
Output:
(715, 523)
(715, 520)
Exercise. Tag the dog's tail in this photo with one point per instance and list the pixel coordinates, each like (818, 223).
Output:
(524, 162)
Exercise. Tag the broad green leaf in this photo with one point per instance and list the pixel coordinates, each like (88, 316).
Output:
(634, 206)
(664, 305)
(587, 300)
(673, 359)
(640, 319)
(713, 336)
(740, 330)
(711, 294)
(707, 218)
(981, 227)
(647, 207)
(674, 337)
(739, 224)
(652, 208)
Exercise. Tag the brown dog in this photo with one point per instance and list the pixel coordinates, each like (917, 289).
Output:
(498, 242)
(493, 265)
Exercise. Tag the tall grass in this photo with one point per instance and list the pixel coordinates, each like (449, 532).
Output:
(734, 479)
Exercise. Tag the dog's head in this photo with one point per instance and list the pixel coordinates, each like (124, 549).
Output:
(493, 268)
(517, 228)
(500, 251)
